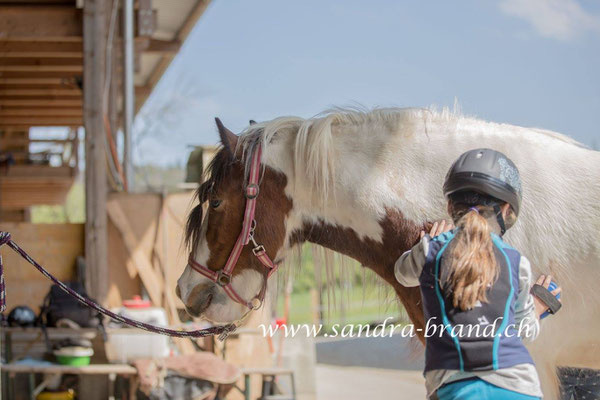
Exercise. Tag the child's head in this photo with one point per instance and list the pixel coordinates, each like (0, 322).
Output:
(483, 188)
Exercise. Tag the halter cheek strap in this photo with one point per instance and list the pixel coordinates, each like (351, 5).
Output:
(223, 276)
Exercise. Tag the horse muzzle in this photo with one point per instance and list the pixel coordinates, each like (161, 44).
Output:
(199, 299)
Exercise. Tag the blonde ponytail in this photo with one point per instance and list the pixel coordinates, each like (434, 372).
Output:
(473, 266)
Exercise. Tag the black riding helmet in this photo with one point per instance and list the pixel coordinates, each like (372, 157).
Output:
(489, 173)
(22, 316)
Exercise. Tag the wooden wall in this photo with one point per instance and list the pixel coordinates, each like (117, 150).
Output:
(157, 227)
(55, 246)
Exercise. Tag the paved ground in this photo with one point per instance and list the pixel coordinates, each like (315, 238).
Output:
(357, 383)
(387, 353)
(368, 368)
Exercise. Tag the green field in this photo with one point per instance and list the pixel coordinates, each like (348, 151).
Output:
(353, 295)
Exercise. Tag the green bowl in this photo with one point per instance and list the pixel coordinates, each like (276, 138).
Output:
(73, 361)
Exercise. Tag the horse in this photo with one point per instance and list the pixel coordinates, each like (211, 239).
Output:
(364, 183)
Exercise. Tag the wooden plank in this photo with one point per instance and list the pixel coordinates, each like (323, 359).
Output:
(61, 82)
(55, 246)
(41, 121)
(157, 46)
(40, 102)
(92, 369)
(152, 282)
(63, 75)
(56, 61)
(24, 193)
(21, 172)
(39, 22)
(38, 2)
(94, 52)
(36, 48)
(37, 112)
(63, 69)
(40, 92)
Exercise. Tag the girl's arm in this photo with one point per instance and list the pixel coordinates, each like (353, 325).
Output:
(410, 264)
(526, 315)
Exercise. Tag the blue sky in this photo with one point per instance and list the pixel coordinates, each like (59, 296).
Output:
(525, 62)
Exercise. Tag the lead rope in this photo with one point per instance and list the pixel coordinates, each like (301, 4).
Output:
(222, 331)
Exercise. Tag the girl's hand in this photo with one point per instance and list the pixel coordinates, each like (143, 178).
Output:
(540, 306)
(438, 228)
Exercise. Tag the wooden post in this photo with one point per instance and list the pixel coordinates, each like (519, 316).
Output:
(94, 60)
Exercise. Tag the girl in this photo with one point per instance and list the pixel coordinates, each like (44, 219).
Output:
(476, 288)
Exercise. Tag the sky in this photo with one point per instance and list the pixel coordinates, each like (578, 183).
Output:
(524, 62)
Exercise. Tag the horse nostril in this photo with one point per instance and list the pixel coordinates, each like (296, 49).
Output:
(199, 300)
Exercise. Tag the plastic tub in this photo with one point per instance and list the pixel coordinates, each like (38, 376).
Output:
(126, 344)
(73, 356)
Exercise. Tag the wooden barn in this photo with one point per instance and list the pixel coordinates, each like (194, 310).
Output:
(80, 70)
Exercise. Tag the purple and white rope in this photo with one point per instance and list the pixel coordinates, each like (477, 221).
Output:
(5, 238)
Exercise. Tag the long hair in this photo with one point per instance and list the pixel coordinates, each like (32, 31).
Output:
(472, 265)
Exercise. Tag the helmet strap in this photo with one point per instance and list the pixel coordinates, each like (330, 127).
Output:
(500, 219)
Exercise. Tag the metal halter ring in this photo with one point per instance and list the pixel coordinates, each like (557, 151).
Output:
(223, 278)
(252, 186)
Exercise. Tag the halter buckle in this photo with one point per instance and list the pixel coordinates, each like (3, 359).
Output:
(252, 191)
(255, 303)
(258, 249)
(223, 278)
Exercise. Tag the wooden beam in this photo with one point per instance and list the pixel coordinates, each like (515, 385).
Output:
(41, 121)
(39, 112)
(66, 76)
(37, 48)
(73, 64)
(142, 91)
(40, 92)
(26, 141)
(61, 69)
(39, 103)
(46, 82)
(156, 46)
(55, 61)
(94, 53)
(152, 282)
(40, 22)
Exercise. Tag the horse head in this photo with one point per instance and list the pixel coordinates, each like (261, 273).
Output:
(204, 287)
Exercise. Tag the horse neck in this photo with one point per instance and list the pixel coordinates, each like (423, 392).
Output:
(397, 236)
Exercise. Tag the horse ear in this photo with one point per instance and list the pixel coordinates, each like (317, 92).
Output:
(228, 138)
(252, 122)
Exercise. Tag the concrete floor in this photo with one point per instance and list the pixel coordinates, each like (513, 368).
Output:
(358, 383)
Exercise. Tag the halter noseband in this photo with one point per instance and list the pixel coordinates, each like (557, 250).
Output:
(223, 276)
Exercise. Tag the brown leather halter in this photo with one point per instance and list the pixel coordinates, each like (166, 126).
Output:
(223, 276)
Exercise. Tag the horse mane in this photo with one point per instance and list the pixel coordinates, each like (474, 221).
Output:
(314, 142)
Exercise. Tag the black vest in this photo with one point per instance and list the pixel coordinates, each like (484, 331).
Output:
(484, 338)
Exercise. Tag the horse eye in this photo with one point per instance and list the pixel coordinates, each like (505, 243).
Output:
(215, 203)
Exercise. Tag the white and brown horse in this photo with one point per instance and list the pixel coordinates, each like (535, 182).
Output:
(365, 183)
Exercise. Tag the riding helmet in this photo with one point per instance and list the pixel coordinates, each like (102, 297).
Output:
(487, 172)
(22, 316)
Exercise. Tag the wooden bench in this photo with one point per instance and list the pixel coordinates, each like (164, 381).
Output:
(111, 370)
